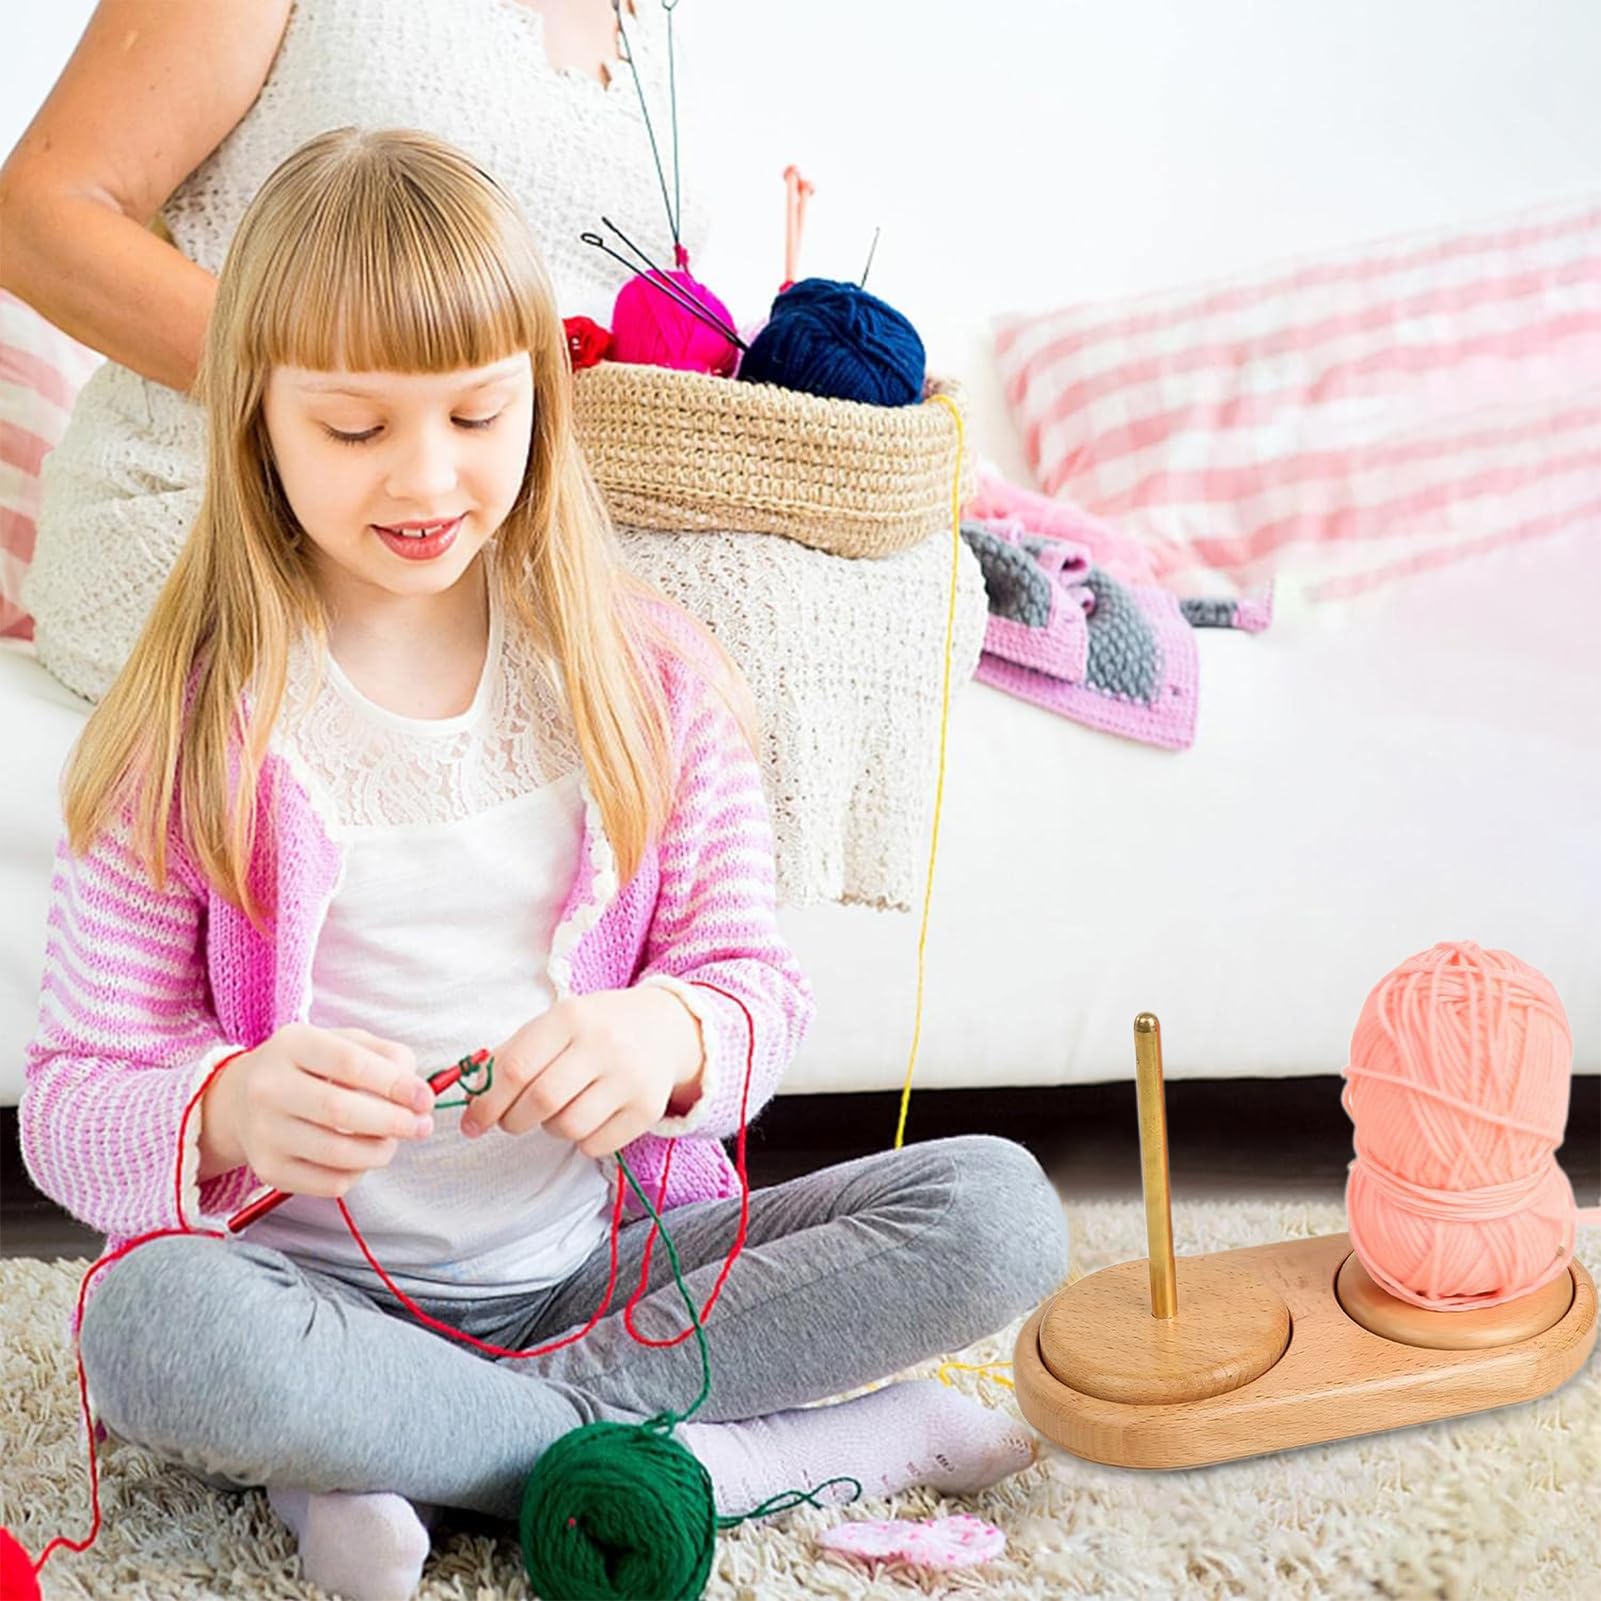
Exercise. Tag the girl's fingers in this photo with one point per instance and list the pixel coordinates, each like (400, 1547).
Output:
(522, 1103)
(617, 1131)
(392, 1049)
(310, 1178)
(339, 1153)
(529, 1054)
(331, 1106)
(585, 1114)
(345, 1061)
(548, 1095)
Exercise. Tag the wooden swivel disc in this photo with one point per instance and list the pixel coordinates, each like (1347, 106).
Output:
(1099, 1336)
(1391, 1318)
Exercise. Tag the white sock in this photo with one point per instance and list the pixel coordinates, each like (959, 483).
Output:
(363, 1547)
(915, 1432)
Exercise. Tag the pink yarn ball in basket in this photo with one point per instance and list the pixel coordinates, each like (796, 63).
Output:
(652, 329)
(1458, 1084)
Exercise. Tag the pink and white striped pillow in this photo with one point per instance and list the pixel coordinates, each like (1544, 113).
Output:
(41, 372)
(1373, 412)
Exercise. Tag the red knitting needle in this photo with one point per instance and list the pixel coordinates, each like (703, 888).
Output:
(438, 1082)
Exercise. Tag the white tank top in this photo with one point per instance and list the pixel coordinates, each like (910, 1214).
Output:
(461, 839)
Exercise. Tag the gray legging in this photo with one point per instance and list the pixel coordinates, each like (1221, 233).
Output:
(232, 1359)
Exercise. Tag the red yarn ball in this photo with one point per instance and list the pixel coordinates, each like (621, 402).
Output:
(651, 329)
(18, 1581)
(588, 344)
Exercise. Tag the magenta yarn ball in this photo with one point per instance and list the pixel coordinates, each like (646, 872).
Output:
(651, 329)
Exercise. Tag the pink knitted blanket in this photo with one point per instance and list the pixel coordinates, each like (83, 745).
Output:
(1079, 623)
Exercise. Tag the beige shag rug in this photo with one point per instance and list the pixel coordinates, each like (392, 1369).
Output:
(1499, 1506)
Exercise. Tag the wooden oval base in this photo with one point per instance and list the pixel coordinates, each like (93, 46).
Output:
(1394, 1319)
(1098, 1335)
(1336, 1378)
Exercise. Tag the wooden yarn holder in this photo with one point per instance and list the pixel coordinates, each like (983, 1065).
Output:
(1268, 1347)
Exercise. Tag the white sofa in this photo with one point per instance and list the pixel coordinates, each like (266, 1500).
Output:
(1368, 777)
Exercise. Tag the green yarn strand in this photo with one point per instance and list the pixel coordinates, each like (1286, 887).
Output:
(785, 1499)
(623, 1511)
(689, 1303)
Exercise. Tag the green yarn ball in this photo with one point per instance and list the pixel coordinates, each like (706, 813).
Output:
(617, 1512)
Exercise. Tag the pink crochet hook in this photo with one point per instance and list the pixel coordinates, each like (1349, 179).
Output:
(438, 1082)
(796, 193)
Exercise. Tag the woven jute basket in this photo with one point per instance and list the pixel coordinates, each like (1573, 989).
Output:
(684, 452)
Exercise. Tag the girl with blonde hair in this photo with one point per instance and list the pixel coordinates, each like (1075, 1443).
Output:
(404, 763)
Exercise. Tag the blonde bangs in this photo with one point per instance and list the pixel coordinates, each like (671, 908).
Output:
(377, 272)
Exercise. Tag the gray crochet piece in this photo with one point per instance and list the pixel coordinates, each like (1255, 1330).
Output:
(1124, 658)
(1017, 588)
(1209, 613)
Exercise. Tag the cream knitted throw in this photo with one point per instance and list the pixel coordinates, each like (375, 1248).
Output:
(844, 657)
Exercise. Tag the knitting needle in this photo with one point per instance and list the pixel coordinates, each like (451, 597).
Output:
(672, 90)
(644, 111)
(872, 251)
(670, 287)
(682, 260)
(438, 1082)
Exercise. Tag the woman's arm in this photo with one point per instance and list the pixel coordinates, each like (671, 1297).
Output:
(152, 89)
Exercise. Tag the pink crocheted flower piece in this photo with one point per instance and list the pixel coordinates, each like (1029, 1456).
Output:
(956, 1542)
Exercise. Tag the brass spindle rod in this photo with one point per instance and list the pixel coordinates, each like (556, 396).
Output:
(1153, 1165)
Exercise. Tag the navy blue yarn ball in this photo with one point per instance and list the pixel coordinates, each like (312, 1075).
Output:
(833, 339)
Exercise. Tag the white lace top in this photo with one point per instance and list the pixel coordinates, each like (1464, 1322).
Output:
(460, 840)
(373, 768)
(844, 657)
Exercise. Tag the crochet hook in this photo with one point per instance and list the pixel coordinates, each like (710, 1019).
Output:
(438, 1082)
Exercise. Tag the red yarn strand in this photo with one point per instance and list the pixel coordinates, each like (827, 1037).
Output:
(66, 1541)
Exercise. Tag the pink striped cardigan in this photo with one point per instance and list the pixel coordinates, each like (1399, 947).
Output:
(145, 992)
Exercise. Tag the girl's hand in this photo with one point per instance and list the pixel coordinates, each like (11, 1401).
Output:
(314, 1108)
(595, 1069)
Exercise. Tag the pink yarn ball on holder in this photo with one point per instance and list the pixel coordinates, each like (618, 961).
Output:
(651, 329)
(1457, 1090)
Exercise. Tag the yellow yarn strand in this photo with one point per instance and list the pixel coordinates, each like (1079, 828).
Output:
(986, 1370)
(992, 1371)
(939, 786)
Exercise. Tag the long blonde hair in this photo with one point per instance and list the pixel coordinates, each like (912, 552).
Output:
(388, 251)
